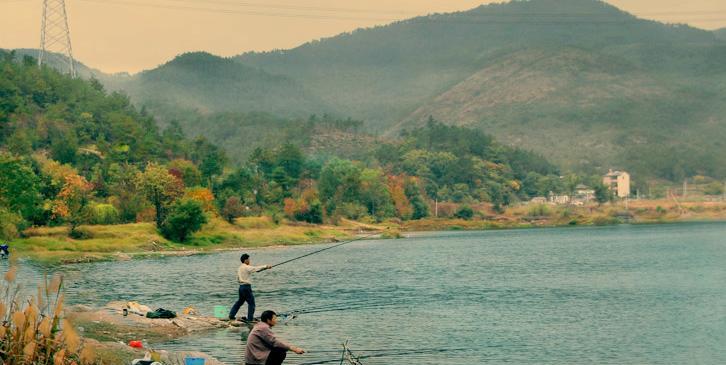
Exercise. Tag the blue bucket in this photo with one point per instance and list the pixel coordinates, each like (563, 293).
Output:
(220, 312)
(193, 361)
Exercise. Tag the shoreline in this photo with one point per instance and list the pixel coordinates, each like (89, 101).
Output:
(52, 246)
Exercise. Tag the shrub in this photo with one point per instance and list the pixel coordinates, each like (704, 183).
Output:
(539, 210)
(10, 224)
(104, 214)
(232, 209)
(714, 188)
(185, 217)
(352, 211)
(465, 212)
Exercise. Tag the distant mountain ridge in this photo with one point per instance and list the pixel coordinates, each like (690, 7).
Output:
(579, 81)
(208, 83)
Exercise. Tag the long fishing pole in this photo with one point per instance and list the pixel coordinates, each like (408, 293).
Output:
(327, 248)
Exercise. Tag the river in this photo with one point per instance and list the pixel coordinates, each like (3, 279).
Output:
(650, 294)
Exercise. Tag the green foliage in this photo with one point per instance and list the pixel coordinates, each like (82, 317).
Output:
(464, 212)
(104, 214)
(10, 224)
(339, 183)
(714, 188)
(160, 188)
(602, 193)
(126, 197)
(20, 187)
(185, 217)
(539, 210)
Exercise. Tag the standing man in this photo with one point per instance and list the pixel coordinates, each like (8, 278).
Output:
(244, 276)
(263, 348)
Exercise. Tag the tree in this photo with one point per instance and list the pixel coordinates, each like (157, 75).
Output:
(124, 192)
(160, 188)
(19, 187)
(413, 193)
(204, 196)
(185, 217)
(232, 209)
(339, 183)
(465, 212)
(374, 194)
(72, 200)
(186, 171)
(602, 193)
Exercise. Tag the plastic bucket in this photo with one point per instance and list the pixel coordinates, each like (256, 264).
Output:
(220, 312)
(193, 361)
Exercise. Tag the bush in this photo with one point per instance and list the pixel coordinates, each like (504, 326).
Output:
(539, 210)
(10, 224)
(305, 211)
(104, 214)
(185, 217)
(232, 209)
(465, 212)
(714, 188)
(352, 211)
(80, 233)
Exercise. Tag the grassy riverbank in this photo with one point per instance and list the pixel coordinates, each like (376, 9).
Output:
(125, 241)
(120, 242)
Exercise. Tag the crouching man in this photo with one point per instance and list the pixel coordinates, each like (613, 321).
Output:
(263, 348)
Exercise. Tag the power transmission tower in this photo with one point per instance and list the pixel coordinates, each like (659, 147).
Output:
(55, 35)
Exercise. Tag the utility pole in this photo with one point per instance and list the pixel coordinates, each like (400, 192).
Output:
(55, 35)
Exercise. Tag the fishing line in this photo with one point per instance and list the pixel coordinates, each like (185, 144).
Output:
(325, 249)
(384, 353)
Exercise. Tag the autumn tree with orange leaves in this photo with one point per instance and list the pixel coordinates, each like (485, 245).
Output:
(71, 202)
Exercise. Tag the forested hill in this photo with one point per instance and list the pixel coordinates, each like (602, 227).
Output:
(720, 33)
(207, 83)
(70, 153)
(388, 71)
(585, 84)
(77, 122)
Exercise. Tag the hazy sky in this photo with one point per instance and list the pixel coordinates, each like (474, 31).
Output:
(131, 35)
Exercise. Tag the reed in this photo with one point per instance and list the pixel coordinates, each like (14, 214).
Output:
(33, 331)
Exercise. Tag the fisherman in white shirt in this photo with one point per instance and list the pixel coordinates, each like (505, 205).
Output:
(244, 276)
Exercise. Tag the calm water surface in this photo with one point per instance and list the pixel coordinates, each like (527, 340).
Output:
(610, 295)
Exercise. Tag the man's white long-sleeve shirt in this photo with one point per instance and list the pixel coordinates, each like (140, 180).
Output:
(244, 273)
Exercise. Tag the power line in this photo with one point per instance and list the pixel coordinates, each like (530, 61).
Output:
(531, 18)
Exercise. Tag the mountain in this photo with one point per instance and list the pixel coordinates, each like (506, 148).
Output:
(386, 72)
(720, 33)
(580, 81)
(586, 109)
(207, 83)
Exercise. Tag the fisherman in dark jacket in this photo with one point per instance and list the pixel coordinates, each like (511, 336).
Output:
(263, 348)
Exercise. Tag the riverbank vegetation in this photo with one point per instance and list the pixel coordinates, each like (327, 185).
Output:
(84, 174)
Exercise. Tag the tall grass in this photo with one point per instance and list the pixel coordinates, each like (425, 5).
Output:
(33, 331)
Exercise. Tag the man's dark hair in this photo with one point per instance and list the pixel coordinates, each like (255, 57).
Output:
(267, 315)
(244, 257)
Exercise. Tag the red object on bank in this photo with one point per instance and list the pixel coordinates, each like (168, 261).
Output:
(136, 344)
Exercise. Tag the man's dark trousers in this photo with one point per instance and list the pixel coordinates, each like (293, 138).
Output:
(277, 356)
(245, 295)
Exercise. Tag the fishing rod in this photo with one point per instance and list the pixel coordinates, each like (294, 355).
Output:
(327, 248)
(383, 353)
